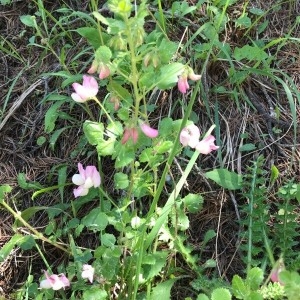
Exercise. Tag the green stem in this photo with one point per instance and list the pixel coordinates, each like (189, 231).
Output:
(103, 108)
(170, 202)
(159, 190)
(134, 73)
(39, 235)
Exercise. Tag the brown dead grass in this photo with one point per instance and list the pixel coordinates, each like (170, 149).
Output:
(24, 123)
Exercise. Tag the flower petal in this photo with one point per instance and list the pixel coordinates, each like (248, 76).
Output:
(77, 98)
(190, 136)
(149, 131)
(80, 191)
(77, 179)
(65, 281)
(207, 145)
(45, 284)
(91, 84)
(88, 272)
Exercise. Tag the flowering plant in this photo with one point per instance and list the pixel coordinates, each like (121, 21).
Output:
(128, 65)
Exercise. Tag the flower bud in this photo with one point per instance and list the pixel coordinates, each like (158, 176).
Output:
(104, 71)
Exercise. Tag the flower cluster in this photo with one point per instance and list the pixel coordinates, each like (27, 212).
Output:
(101, 68)
(86, 179)
(182, 83)
(55, 282)
(190, 135)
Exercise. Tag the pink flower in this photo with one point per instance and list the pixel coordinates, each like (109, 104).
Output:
(86, 91)
(182, 84)
(88, 272)
(149, 131)
(55, 282)
(85, 179)
(207, 145)
(130, 133)
(277, 269)
(189, 136)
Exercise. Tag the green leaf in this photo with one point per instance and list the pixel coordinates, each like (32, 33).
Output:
(114, 129)
(146, 155)
(221, 294)
(4, 2)
(9, 246)
(27, 185)
(154, 263)
(250, 53)
(209, 235)
(274, 174)
(125, 156)
(5, 188)
(256, 11)
(298, 193)
(181, 220)
(41, 140)
(95, 220)
(226, 179)
(210, 263)
(165, 127)
(52, 115)
(94, 293)
(103, 54)
(169, 75)
(209, 31)
(222, 3)
(163, 147)
(247, 147)
(239, 288)
(119, 91)
(108, 240)
(254, 278)
(106, 147)
(167, 50)
(255, 296)
(28, 20)
(243, 21)
(91, 34)
(93, 132)
(62, 178)
(193, 202)
(100, 18)
(27, 243)
(202, 297)
(55, 135)
(121, 181)
(163, 290)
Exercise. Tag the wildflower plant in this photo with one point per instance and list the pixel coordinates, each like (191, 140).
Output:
(132, 228)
